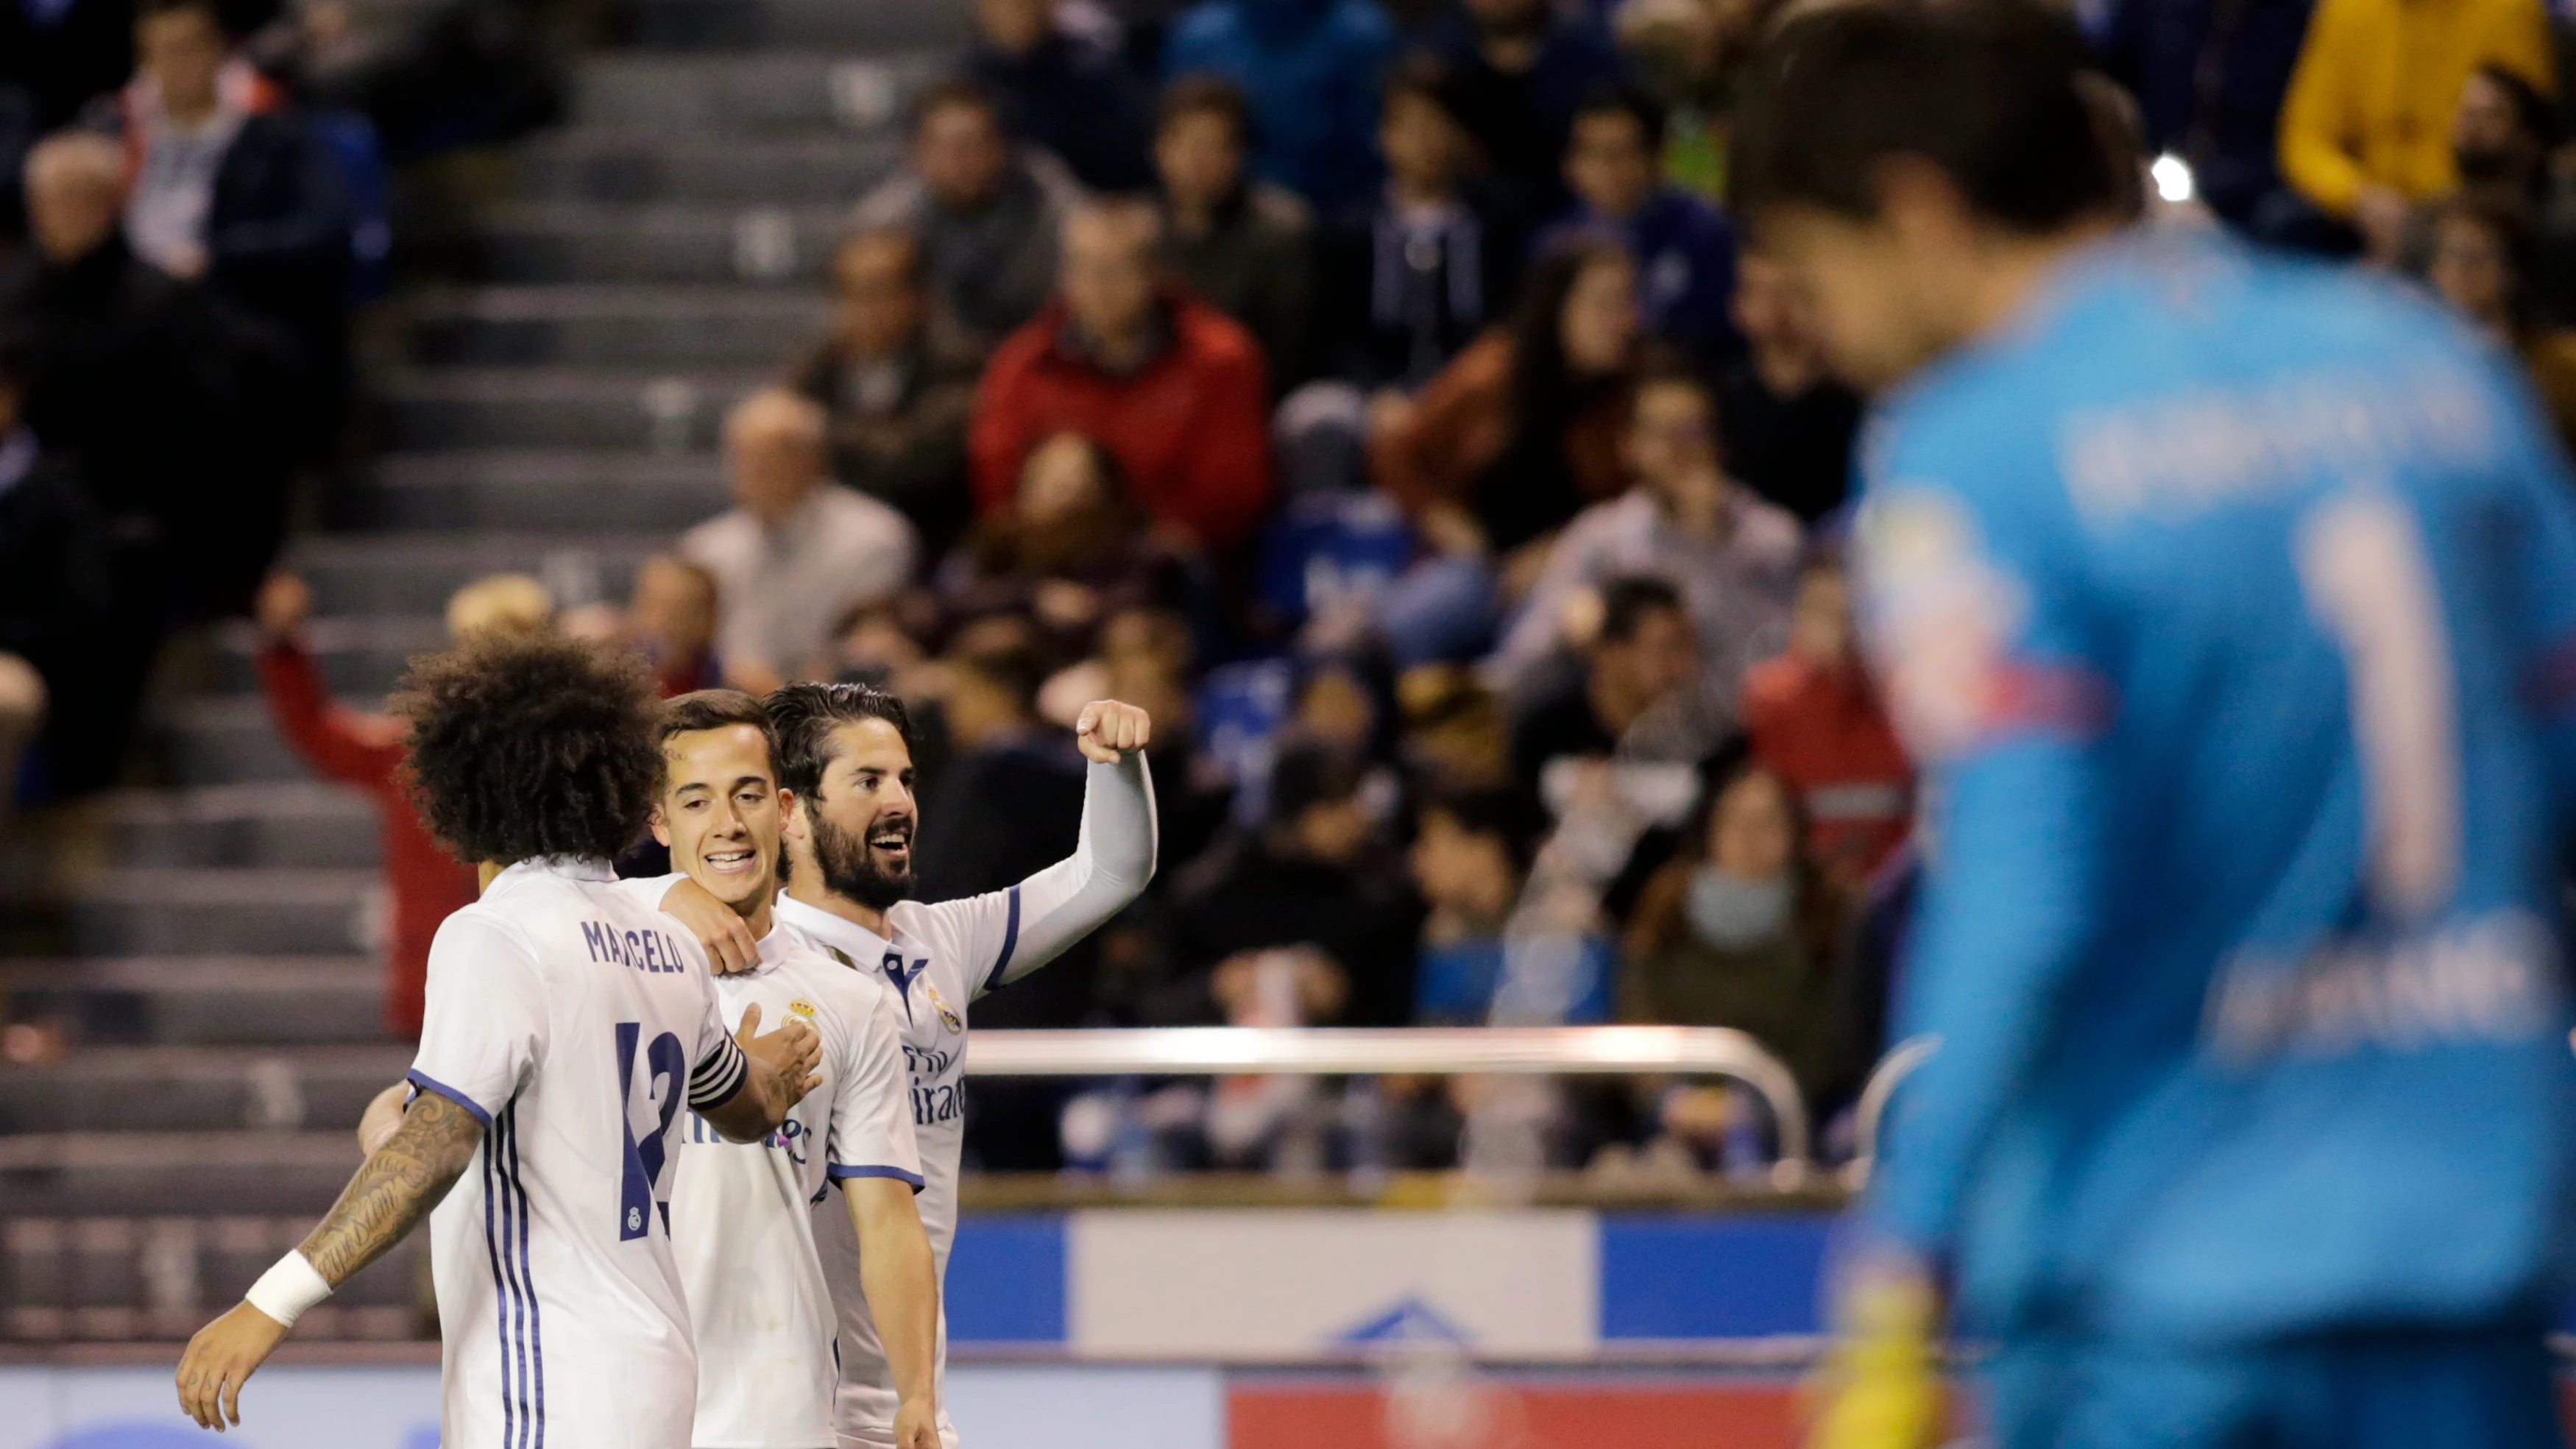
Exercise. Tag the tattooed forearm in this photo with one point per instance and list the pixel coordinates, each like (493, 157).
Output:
(396, 1188)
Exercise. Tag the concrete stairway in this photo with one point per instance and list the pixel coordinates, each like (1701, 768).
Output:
(659, 255)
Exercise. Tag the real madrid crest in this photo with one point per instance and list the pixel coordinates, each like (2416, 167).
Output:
(948, 1017)
(801, 1007)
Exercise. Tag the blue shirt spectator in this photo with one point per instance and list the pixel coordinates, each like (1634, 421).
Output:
(2209, 76)
(1067, 93)
(1311, 70)
(1685, 251)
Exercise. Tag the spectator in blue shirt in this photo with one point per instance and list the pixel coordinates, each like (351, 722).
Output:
(1311, 69)
(1685, 251)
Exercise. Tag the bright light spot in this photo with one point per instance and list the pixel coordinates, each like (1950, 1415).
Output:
(2172, 176)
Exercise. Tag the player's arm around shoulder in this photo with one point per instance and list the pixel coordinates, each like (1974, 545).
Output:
(748, 1083)
(397, 1186)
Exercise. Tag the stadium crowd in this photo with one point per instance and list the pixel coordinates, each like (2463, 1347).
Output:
(1376, 394)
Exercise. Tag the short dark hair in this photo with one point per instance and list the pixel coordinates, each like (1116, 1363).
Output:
(1625, 603)
(1983, 90)
(1423, 78)
(525, 744)
(715, 709)
(1306, 773)
(959, 90)
(1621, 98)
(802, 718)
(214, 9)
(2532, 111)
(1209, 95)
(2516, 234)
(1510, 815)
(1015, 668)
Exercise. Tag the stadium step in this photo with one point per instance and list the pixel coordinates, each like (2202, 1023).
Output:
(360, 657)
(198, 1089)
(881, 25)
(288, 823)
(753, 243)
(201, 1000)
(668, 410)
(105, 1173)
(227, 742)
(160, 1276)
(623, 164)
(170, 911)
(497, 491)
(358, 578)
(665, 327)
(861, 95)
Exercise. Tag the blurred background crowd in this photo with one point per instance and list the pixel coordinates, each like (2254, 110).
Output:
(1376, 393)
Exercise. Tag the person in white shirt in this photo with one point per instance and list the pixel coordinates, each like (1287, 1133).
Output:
(845, 765)
(740, 1224)
(566, 1024)
(798, 553)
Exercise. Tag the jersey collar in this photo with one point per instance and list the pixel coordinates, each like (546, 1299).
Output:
(561, 867)
(855, 943)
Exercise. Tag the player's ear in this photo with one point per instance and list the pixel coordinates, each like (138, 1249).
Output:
(661, 828)
(791, 814)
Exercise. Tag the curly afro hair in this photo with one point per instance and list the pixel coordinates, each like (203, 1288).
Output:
(527, 745)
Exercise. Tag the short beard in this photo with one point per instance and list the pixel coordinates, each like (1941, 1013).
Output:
(848, 871)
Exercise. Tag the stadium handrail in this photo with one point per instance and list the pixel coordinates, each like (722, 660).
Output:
(1427, 1051)
(1875, 1094)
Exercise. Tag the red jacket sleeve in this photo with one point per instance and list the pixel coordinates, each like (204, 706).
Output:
(331, 739)
(1227, 485)
(997, 437)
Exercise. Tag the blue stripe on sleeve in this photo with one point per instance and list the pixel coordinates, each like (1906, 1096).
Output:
(1010, 943)
(839, 1171)
(428, 1083)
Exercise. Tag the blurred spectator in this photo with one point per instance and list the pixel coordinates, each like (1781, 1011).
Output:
(1162, 380)
(1246, 247)
(1470, 856)
(896, 378)
(232, 186)
(1815, 719)
(1685, 252)
(1739, 930)
(75, 642)
(1522, 429)
(671, 621)
(178, 409)
(365, 751)
(428, 78)
(1312, 902)
(1073, 551)
(797, 554)
(2504, 138)
(2364, 131)
(2482, 262)
(1005, 772)
(1521, 69)
(986, 214)
(1065, 92)
(1644, 653)
(1731, 557)
(65, 54)
(2209, 76)
(1311, 69)
(1788, 422)
(1411, 276)
(1691, 54)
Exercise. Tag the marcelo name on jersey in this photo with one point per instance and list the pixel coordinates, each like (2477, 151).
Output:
(640, 950)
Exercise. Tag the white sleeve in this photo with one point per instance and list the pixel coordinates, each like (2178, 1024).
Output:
(871, 1134)
(484, 1028)
(647, 890)
(1111, 862)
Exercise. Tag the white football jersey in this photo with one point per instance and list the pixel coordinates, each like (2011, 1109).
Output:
(940, 959)
(573, 1023)
(740, 1224)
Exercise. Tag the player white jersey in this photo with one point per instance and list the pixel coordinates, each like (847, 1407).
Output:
(571, 1022)
(940, 959)
(740, 1226)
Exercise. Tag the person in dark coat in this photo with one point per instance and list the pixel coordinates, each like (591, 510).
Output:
(1064, 92)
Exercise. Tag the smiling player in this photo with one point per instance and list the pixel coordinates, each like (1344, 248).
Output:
(739, 1221)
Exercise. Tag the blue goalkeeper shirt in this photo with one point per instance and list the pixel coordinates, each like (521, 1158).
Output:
(2231, 603)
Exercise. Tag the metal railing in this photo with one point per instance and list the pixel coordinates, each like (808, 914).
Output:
(1875, 1094)
(1429, 1051)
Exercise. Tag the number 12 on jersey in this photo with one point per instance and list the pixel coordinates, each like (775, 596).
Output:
(666, 1068)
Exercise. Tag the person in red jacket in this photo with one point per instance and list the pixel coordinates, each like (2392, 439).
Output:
(1813, 716)
(1163, 380)
(366, 751)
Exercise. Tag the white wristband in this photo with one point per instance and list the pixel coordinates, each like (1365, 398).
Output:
(285, 1291)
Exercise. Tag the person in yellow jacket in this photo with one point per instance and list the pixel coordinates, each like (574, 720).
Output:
(2366, 127)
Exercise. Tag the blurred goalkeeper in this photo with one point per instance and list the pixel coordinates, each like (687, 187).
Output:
(2232, 605)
